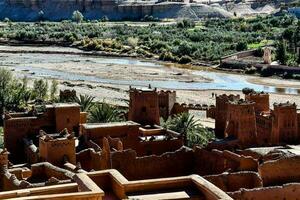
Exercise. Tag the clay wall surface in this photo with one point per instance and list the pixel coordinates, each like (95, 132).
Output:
(230, 182)
(281, 171)
(241, 122)
(15, 129)
(170, 164)
(67, 117)
(166, 101)
(128, 132)
(288, 192)
(55, 151)
(144, 106)
(158, 147)
(284, 127)
(179, 108)
(221, 113)
(264, 128)
(261, 101)
(208, 162)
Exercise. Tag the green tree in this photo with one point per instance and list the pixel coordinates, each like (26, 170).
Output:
(77, 16)
(40, 89)
(281, 52)
(85, 102)
(103, 112)
(6, 79)
(53, 90)
(190, 129)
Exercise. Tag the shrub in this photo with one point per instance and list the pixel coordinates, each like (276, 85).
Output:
(185, 60)
(250, 70)
(77, 16)
(266, 71)
(241, 46)
(132, 41)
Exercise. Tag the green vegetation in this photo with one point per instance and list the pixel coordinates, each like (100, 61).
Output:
(103, 112)
(184, 41)
(190, 129)
(286, 46)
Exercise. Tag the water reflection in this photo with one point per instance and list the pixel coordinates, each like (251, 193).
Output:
(222, 81)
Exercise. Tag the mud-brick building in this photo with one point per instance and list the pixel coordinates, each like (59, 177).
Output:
(53, 119)
(143, 106)
(252, 122)
(221, 110)
(241, 122)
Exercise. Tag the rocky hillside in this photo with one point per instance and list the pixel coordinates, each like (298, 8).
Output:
(56, 10)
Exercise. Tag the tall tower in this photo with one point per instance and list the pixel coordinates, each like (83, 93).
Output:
(166, 101)
(284, 124)
(221, 113)
(261, 101)
(241, 122)
(143, 106)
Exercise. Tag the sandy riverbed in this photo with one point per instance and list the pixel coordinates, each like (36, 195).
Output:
(130, 70)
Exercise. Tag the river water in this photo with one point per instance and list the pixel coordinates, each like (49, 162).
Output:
(30, 62)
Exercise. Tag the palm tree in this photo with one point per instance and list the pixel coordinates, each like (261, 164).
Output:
(103, 112)
(190, 129)
(85, 101)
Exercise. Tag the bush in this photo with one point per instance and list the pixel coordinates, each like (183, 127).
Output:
(266, 71)
(167, 56)
(77, 16)
(241, 46)
(247, 91)
(185, 60)
(250, 70)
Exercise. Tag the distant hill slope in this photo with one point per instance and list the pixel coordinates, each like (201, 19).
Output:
(56, 10)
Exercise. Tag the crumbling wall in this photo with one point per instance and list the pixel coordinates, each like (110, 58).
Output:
(230, 182)
(169, 164)
(289, 192)
(281, 171)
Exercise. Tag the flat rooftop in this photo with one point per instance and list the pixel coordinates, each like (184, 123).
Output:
(110, 124)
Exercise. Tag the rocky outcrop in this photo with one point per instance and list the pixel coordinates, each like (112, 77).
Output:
(57, 10)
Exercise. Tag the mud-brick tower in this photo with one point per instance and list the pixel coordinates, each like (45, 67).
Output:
(261, 101)
(221, 113)
(166, 101)
(143, 106)
(57, 148)
(241, 122)
(284, 124)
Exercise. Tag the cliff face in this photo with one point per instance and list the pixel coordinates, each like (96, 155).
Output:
(57, 10)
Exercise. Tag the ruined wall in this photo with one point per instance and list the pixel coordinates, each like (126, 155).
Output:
(57, 150)
(288, 192)
(278, 172)
(208, 162)
(128, 133)
(158, 147)
(230, 182)
(15, 129)
(170, 164)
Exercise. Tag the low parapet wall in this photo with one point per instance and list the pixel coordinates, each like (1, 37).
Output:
(288, 191)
